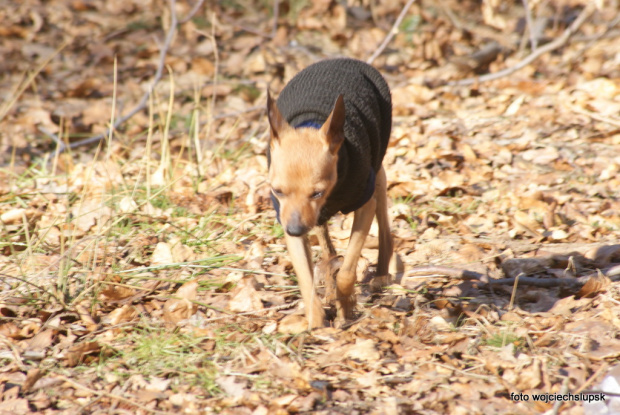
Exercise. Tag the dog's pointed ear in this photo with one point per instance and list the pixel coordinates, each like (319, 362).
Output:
(277, 123)
(333, 128)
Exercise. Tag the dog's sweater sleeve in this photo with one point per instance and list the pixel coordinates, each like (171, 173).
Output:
(308, 100)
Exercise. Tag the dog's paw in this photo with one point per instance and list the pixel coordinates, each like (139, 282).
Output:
(379, 282)
(315, 314)
(345, 307)
(293, 324)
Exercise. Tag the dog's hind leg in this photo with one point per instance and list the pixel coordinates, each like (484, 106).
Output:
(325, 242)
(299, 250)
(345, 281)
(386, 246)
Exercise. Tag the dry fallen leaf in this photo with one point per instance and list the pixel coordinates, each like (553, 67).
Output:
(162, 254)
(120, 315)
(178, 309)
(42, 340)
(82, 353)
(245, 297)
(188, 291)
(293, 324)
(594, 286)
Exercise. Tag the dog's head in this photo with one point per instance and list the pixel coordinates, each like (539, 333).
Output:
(304, 166)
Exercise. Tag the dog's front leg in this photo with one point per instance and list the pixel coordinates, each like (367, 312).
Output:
(345, 281)
(299, 250)
(329, 265)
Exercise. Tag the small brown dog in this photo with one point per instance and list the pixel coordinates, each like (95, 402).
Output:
(329, 133)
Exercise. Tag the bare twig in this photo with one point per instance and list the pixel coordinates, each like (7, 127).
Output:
(144, 100)
(192, 12)
(592, 378)
(391, 33)
(462, 274)
(591, 40)
(480, 31)
(514, 291)
(537, 282)
(549, 47)
(613, 273)
(276, 13)
(608, 120)
(530, 25)
(25, 281)
(563, 390)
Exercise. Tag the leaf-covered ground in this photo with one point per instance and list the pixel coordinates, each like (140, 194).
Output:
(148, 275)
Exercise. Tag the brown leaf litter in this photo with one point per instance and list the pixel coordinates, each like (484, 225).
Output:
(150, 276)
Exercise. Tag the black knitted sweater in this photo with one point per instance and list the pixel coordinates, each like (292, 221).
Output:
(308, 99)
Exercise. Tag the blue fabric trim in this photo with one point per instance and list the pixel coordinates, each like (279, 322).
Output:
(309, 124)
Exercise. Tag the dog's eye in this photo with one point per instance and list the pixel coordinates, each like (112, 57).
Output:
(277, 192)
(316, 195)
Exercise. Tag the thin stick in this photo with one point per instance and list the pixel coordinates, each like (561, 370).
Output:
(554, 282)
(462, 274)
(192, 12)
(595, 116)
(112, 111)
(549, 47)
(158, 75)
(216, 65)
(613, 273)
(25, 281)
(514, 291)
(391, 33)
(530, 25)
(595, 38)
(592, 378)
(276, 13)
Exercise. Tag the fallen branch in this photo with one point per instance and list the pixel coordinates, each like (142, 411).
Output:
(144, 100)
(612, 273)
(538, 282)
(391, 33)
(462, 274)
(549, 47)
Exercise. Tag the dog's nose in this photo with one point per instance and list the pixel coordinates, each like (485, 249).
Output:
(296, 229)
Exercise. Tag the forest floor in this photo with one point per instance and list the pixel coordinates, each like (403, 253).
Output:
(146, 272)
